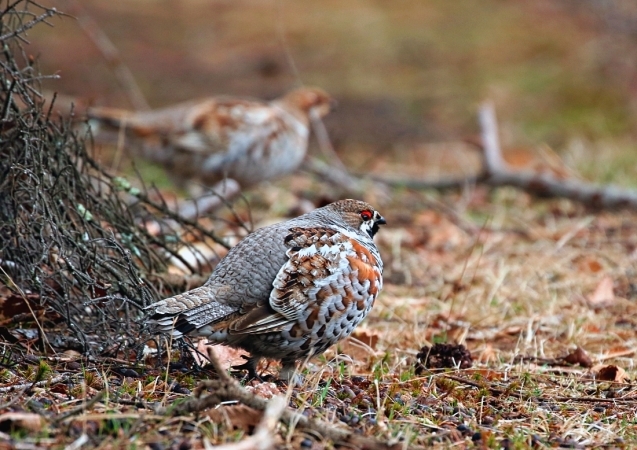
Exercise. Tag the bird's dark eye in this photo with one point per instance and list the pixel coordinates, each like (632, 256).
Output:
(366, 215)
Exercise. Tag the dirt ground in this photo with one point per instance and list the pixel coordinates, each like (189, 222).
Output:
(541, 292)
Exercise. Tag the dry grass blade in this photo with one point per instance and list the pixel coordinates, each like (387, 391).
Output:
(81, 408)
(226, 389)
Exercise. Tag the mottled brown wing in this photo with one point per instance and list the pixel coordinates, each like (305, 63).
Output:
(167, 121)
(322, 262)
(209, 125)
(240, 128)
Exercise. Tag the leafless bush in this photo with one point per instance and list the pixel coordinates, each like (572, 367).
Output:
(71, 250)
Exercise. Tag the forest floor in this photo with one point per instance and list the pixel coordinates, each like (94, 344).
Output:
(540, 292)
(536, 298)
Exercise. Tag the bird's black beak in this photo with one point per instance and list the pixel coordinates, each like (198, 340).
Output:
(377, 222)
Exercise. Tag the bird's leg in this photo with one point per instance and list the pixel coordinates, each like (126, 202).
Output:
(250, 365)
(288, 372)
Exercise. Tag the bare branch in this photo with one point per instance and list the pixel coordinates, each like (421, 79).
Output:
(497, 173)
(30, 24)
(492, 155)
(340, 177)
(440, 183)
(546, 185)
(222, 193)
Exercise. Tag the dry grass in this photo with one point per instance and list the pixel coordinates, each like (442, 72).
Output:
(521, 282)
(517, 289)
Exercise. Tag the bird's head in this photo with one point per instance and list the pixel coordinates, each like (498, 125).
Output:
(359, 215)
(310, 100)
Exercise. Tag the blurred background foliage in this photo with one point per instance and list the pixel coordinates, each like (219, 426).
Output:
(406, 73)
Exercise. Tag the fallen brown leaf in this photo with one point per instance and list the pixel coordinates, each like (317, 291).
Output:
(603, 294)
(579, 356)
(227, 356)
(361, 344)
(486, 374)
(618, 351)
(236, 416)
(488, 354)
(610, 372)
(589, 264)
(21, 420)
(264, 390)
(367, 336)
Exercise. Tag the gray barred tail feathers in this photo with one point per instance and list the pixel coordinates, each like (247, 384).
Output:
(289, 290)
(185, 313)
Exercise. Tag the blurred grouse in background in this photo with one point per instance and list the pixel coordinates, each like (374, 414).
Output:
(288, 290)
(212, 139)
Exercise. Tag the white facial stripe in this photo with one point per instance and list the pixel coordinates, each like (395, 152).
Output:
(367, 226)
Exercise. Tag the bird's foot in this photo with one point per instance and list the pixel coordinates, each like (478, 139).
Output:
(251, 366)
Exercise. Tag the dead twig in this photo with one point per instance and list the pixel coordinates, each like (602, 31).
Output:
(161, 207)
(325, 144)
(81, 408)
(78, 443)
(30, 24)
(45, 341)
(14, 400)
(627, 400)
(491, 153)
(27, 386)
(499, 174)
(226, 389)
(493, 390)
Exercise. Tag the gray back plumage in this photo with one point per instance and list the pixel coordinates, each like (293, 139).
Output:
(242, 279)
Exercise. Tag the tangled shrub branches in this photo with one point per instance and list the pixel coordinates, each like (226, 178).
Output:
(71, 250)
